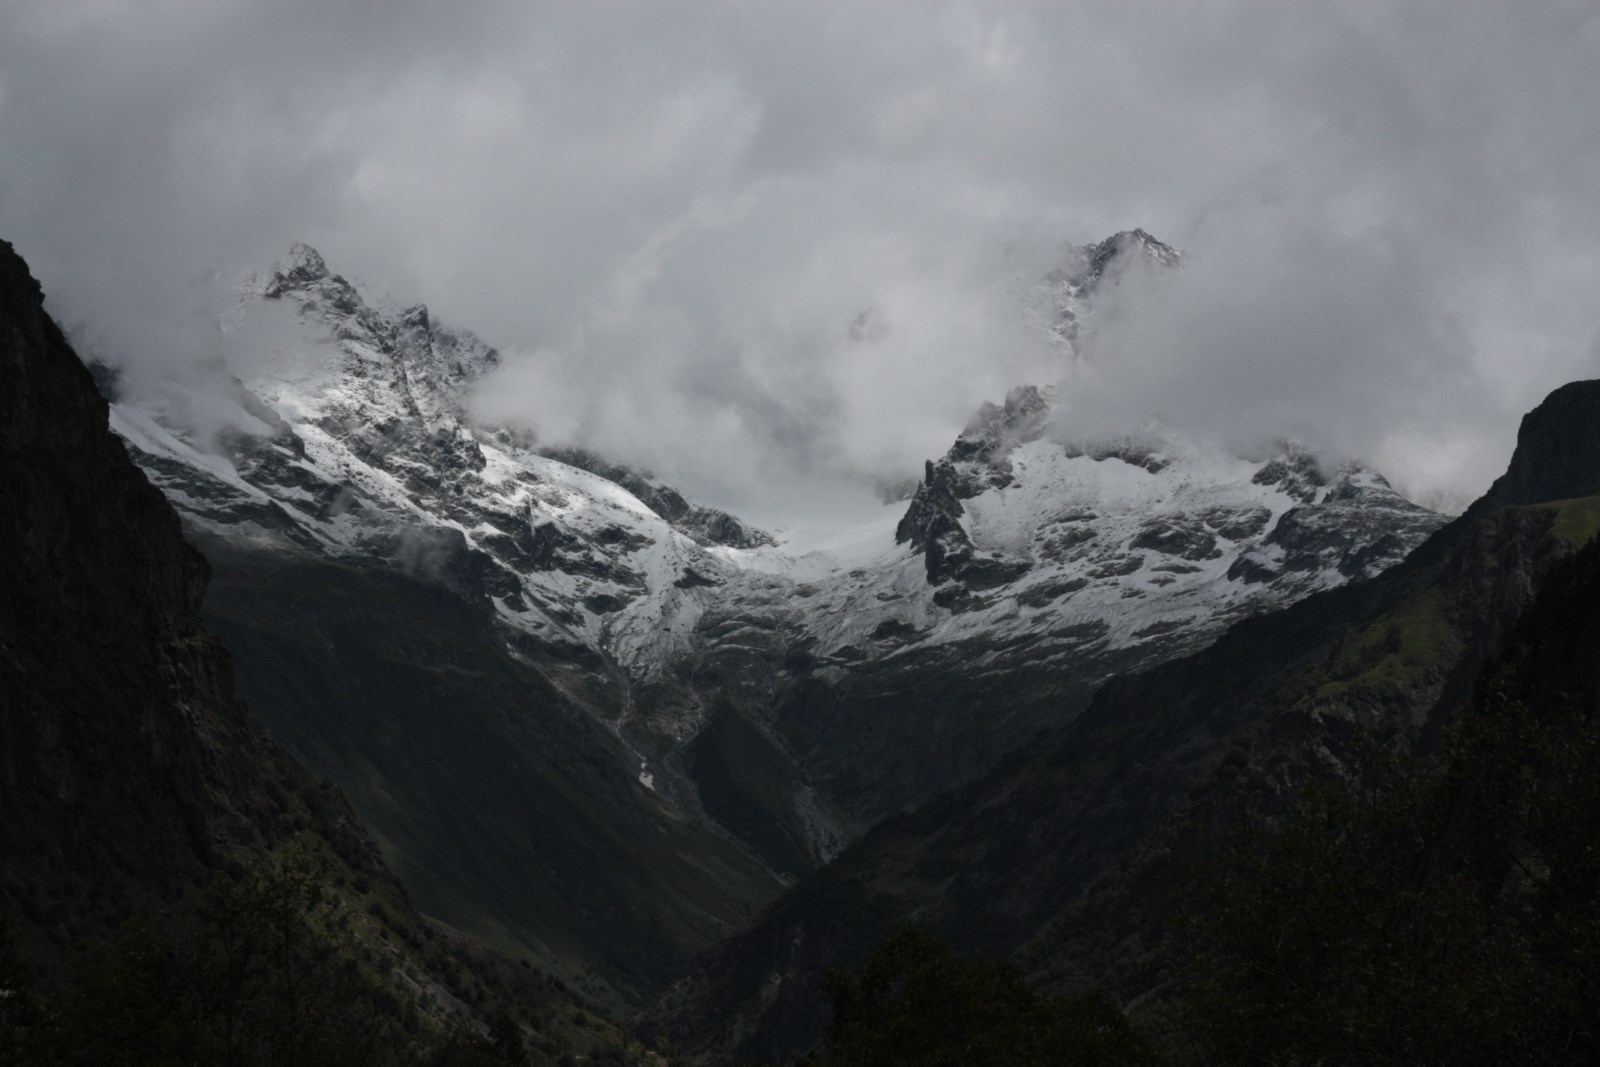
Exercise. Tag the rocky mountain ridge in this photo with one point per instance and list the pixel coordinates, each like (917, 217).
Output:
(905, 659)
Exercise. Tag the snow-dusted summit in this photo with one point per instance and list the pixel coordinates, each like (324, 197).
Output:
(1060, 300)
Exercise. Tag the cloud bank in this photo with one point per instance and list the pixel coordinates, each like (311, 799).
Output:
(671, 216)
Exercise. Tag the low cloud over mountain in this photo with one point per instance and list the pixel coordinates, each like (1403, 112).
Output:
(668, 217)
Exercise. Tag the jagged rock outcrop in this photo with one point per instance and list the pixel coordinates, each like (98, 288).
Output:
(977, 462)
(932, 522)
(995, 430)
(1551, 461)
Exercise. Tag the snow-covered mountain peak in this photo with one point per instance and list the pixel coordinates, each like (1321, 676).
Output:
(1105, 258)
(1021, 548)
(1022, 417)
(301, 267)
(378, 335)
(1061, 301)
(1017, 512)
(983, 512)
(362, 446)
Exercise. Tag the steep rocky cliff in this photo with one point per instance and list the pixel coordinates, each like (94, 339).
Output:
(123, 751)
(1553, 461)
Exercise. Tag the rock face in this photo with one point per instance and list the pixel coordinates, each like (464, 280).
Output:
(1551, 461)
(129, 768)
(122, 747)
(1066, 855)
(932, 524)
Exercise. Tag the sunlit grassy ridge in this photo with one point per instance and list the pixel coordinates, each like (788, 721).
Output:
(1402, 647)
(1577, 520)
(1396, 650)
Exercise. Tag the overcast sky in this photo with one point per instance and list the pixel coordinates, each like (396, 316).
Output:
(668, 214)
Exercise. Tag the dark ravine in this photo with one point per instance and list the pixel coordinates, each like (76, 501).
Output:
(505, 808)
(1066, 856)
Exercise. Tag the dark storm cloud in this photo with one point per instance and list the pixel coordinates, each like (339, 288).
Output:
(672, 213)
